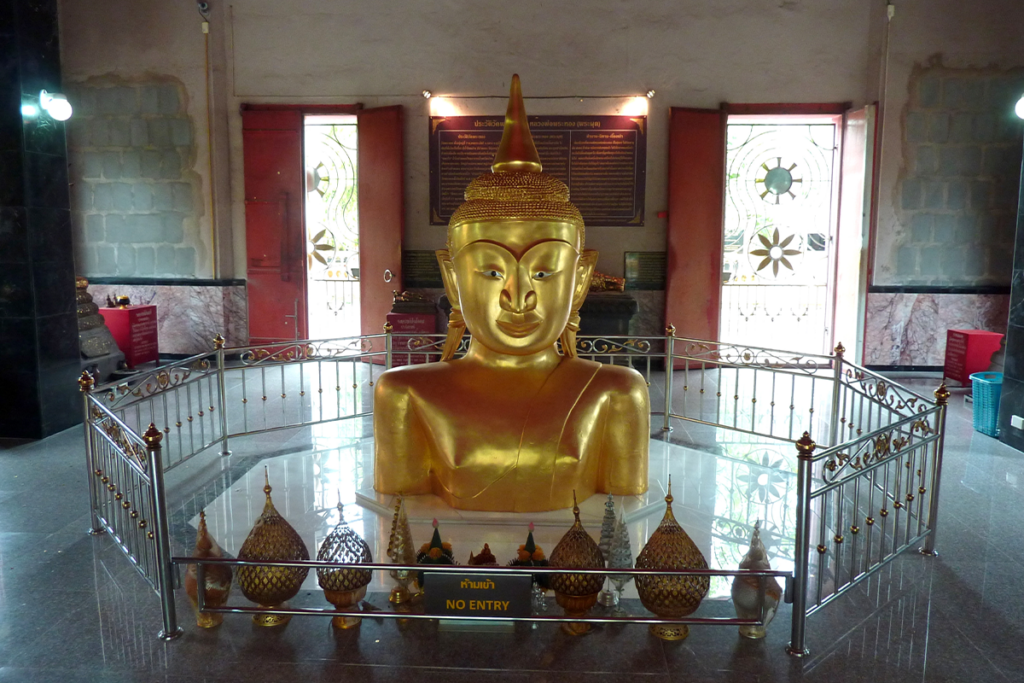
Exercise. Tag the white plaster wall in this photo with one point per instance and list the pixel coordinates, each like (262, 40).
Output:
(144, 41)
(694, 53)
(981, 34)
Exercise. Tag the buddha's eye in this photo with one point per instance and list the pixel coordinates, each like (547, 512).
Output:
(492, 273)
(542, 274)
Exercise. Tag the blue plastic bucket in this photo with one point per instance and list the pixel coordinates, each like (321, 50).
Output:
(987, 387)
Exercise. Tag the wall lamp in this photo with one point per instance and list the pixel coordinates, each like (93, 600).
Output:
(1019, 109)
(56, 105)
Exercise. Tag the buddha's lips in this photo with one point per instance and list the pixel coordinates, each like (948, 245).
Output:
(519, 329)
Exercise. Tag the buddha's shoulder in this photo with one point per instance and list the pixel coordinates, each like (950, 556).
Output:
(615, 378)
(413, 375)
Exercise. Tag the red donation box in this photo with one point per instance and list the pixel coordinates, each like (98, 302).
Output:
(967, 352)
(134, 330)
(402, 347)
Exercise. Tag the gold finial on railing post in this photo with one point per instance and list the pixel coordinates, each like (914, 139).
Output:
(86, 382)
(670, 330)
(153, 437)
(840, 349)
(388, 328)
(218, 342)
(805, 446)
(942, 395)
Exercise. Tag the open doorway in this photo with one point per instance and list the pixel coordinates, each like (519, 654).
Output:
(778, 266)
(330, 158)
(324, 219)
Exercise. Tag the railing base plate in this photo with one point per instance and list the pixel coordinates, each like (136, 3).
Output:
(928, 553)
(176, 633)
(225, 453)
(798, 653)
(96, 532)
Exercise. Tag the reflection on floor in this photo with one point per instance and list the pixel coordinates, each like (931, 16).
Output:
(73, 609)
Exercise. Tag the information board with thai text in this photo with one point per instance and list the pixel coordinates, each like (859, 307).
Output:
(603, 160)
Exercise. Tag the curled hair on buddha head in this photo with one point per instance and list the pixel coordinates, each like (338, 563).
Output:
(515, 189)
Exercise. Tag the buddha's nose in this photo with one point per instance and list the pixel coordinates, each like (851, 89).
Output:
(518, 300)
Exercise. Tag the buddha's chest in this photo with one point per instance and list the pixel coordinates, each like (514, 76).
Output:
(490, 431)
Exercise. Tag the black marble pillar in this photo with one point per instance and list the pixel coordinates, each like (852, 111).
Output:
(39, 356)
(1012, 400)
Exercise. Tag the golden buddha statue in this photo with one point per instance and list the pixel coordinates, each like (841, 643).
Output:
(514, 425)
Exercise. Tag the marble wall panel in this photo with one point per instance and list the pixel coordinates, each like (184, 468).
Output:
(650, 319)
(189, 316)
(910, 329)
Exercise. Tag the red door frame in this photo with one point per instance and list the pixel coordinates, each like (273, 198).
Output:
(272, 136)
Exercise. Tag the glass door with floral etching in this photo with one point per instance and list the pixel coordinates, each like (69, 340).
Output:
(777, 271)
(332, 226)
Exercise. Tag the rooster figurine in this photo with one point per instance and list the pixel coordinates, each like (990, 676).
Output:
(745, 589)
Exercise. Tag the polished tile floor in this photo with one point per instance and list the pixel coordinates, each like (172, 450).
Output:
(73, 609)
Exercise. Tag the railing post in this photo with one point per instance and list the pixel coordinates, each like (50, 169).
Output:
(388, 345)
(85, 384)
(164, 568)
(218, 346)
(837, 383)
(670, 345)
(805, 453)
(942, 395)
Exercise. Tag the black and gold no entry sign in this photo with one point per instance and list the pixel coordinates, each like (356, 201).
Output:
(478, 595)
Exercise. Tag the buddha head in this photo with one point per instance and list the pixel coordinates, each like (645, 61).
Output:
(515, 270)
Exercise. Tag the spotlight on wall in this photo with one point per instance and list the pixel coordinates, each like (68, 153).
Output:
(442, 106)
(56, 105)
(635, 106)
(427, 94)
(650, 94)
(1019, 109)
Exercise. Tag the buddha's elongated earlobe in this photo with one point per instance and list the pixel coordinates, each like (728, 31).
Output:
(456, 323)
(584, 273)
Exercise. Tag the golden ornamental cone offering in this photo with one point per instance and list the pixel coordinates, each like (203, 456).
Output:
(344, 588)
(216, 579)
(272, 539)
(671, 597)
(576, 593)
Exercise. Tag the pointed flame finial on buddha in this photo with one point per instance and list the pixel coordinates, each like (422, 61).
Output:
(516, 151)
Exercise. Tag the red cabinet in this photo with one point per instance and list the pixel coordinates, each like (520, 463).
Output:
(969, 351)
(134, 329)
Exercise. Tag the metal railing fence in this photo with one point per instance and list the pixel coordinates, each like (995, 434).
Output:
(880, 443)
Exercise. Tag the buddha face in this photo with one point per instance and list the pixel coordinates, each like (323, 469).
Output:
(516, 281)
